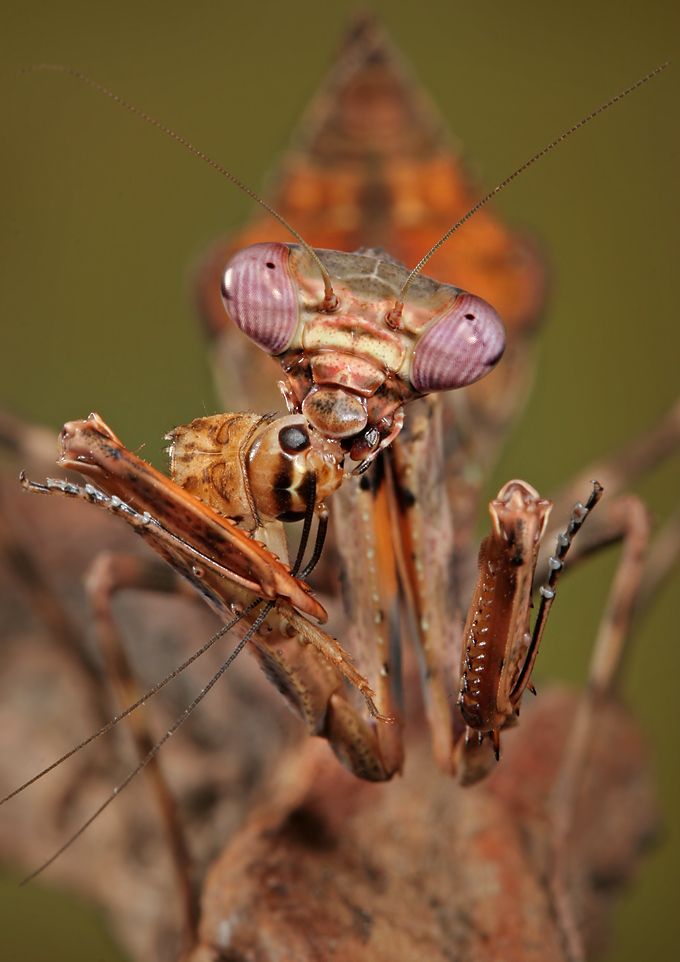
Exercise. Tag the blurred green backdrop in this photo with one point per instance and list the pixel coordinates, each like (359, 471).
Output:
(102, 218)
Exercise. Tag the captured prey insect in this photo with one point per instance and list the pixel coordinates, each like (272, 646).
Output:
(358, 337)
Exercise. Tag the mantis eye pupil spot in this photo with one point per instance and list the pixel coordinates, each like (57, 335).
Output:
(261, 295)
(461, 346)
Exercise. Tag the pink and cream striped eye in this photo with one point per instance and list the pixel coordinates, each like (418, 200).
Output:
(458, 348)
(260, 295)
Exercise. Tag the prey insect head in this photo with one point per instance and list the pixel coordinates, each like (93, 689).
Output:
(255, 469)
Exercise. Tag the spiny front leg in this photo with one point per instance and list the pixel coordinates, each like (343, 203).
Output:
(500, 646)
(497, 626)
(228, 567)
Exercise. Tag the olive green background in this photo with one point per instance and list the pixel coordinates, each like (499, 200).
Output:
(102, 218)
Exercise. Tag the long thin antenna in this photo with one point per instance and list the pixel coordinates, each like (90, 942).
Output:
(153, 751)
(137, 704)
(330, 300)
(396, 310)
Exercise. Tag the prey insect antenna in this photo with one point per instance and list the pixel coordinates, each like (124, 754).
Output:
(548, 590)
(153, 751)
(330, 300)
(135, 705)
(396, 310)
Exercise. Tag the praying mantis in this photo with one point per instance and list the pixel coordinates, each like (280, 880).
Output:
(387, 729)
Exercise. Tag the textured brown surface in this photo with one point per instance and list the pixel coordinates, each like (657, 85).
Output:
(330, 868)
(324, 866)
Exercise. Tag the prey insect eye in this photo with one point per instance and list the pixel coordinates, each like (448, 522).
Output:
(260, 295)
(460, 347)
(293, 439)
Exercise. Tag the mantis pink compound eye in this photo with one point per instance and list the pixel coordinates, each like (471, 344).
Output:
(459, 348)
(260, 295)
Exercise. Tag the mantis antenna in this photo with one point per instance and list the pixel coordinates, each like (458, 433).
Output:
(330, 301)
(395, 313)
